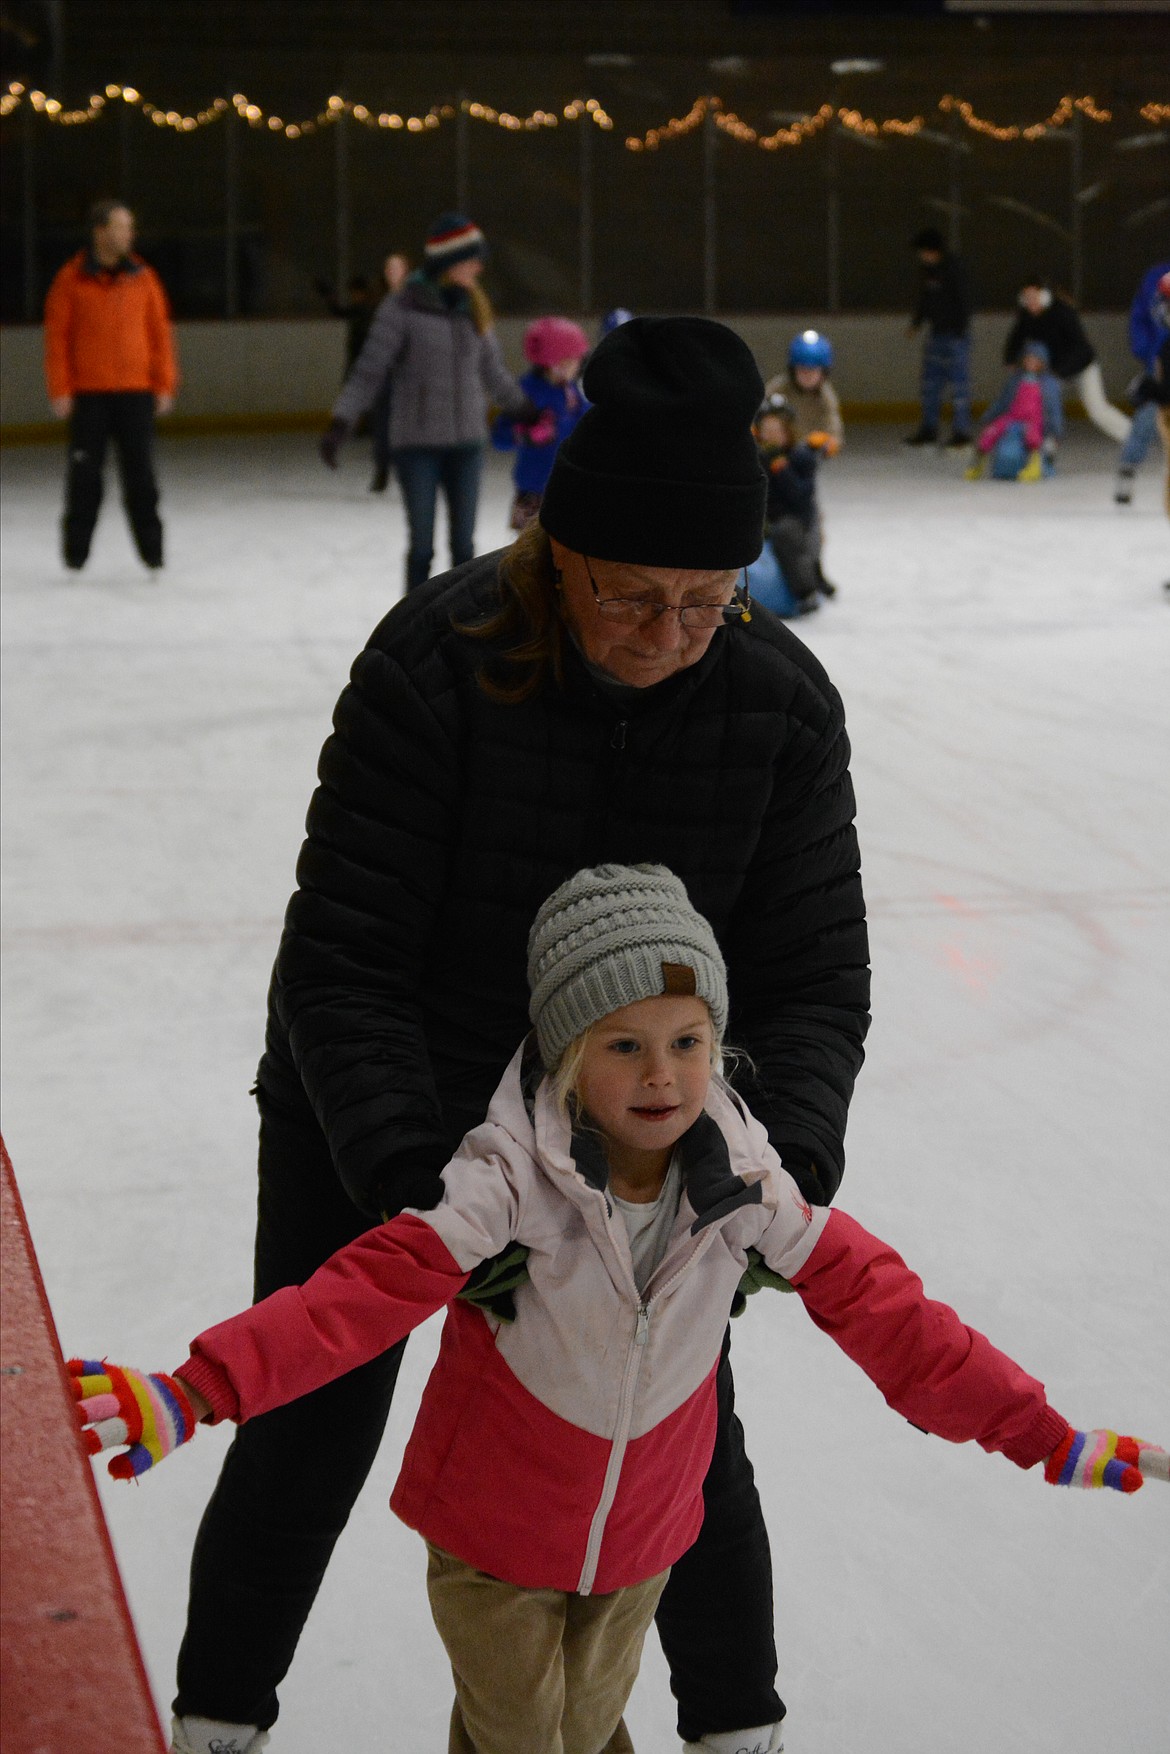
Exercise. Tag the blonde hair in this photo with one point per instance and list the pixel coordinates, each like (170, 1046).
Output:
(565, 1076)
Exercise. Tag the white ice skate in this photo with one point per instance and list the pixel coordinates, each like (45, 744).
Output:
(207, 1735)
(764, 1739)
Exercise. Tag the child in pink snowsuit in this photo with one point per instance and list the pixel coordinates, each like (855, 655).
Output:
(1026, 410)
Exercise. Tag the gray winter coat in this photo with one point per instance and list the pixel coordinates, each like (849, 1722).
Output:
(444, 371)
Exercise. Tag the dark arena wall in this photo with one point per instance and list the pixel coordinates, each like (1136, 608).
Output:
(737, 157)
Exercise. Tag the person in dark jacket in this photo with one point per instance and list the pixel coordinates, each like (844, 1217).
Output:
(436, 341)
(792, 522)
(601, 691)
(1049, 317)
(944, 306)
(1149, 320)
(356, 311)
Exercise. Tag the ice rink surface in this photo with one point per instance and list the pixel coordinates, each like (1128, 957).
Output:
(1004, 656)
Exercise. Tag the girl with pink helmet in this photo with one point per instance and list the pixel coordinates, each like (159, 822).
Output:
(555, 348)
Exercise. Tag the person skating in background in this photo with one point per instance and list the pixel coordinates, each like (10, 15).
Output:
(355, 309)
(395, 271)
(1023, 426)
(1049, 316)
(944, 308)
(804, 382)
(791, 528)
(1149, 322)
(110, 368)
(436, 339)
(1154, 389)
(816, 410)
(643, 1191)
(613, 319)
(555, 348)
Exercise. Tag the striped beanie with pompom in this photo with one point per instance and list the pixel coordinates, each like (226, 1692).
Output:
(609, 936)
(452, 238)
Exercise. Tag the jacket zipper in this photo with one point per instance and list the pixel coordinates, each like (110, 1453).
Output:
(617, 1452)
(626, 1395)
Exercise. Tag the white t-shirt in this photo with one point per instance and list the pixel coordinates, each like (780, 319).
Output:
(650, 1222)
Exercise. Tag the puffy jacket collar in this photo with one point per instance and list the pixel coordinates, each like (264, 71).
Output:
(421, 293)
(579, 686)
(97, 270)
(717, 1178)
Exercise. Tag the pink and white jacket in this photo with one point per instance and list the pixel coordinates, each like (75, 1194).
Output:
(567, 1450)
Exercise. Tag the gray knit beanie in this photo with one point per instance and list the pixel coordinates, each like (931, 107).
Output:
(612, 935)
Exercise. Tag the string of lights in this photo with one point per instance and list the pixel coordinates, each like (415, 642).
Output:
(1060, 117)
(581, 109)
(792, 133)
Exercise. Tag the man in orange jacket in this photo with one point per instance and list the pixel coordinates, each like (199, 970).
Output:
(110, 367)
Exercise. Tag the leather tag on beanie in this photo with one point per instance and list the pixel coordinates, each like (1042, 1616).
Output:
(678, 979)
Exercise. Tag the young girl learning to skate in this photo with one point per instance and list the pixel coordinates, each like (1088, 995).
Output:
(556, 1466)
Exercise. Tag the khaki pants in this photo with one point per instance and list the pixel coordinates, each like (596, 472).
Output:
(537, 1671)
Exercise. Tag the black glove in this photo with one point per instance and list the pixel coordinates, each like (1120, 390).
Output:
(419, 1186)
(493, 1284)
(332, 441)
(817, 1188)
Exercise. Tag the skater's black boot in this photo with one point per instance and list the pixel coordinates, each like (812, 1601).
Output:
(380, 479)
(1123, 491)
(147, 532)
(959, 441)
(926, 435)
(825, 586)
(76, 535)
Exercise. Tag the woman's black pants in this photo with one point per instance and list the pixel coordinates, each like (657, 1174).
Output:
(291, 1478)
(127, 417)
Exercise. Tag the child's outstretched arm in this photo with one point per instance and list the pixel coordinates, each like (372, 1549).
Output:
(365, 1298)
(945, 1377)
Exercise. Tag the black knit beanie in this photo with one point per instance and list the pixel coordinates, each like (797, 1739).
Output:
(662, 470)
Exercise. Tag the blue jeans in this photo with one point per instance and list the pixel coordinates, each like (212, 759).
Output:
(421, 470)
(946, 361)
(1142, 434)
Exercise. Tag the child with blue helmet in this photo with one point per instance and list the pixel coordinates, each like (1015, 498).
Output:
(815, 414)
(805, 383)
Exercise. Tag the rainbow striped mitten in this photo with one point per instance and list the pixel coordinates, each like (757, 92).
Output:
(1102, 1458)
(151, 1413)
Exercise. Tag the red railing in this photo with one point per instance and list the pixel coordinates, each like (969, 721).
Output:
(72, 1679)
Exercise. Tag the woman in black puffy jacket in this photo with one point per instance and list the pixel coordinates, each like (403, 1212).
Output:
(602, 691)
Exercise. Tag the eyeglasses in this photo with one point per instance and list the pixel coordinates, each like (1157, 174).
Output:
(639, 610)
